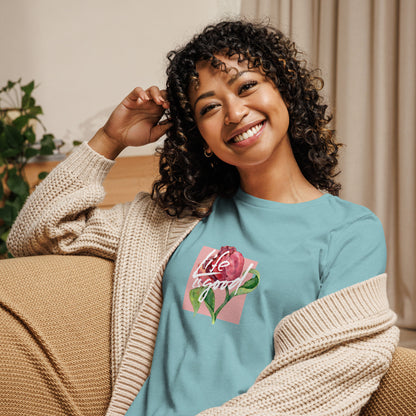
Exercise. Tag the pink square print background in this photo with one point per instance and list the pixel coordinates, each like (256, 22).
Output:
(233, 309)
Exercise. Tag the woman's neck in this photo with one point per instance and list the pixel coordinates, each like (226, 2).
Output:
(278, 180)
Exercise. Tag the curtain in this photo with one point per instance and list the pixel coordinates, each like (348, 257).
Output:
(366, 50)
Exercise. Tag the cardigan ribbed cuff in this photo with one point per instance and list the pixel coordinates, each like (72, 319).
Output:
(87, 164)
(364, 302)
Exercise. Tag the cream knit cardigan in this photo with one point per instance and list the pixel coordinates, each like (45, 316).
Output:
(329, 356)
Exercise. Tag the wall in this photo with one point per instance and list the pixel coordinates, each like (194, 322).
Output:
(86, 55)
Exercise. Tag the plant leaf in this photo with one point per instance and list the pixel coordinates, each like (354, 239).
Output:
(47, 144)
(9, 86)
(28, 88)
(5, 234)
(35, 110)
(31, 152)
(8, 214)
(20, 121)
(30, 135)
(43, 175)
(3, 141)
(10, 153)
(13, 136)
(16, 203)
(3, 247)
(18, 185)
(27, 102)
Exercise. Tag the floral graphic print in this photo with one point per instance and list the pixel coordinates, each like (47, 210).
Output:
(227, 264)
(221, 271)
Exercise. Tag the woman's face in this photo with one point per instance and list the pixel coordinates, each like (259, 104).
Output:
(240, 114)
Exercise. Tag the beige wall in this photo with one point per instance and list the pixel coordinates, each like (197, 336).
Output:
(87, 54)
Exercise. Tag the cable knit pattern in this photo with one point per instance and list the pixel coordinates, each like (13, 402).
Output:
(329, 355)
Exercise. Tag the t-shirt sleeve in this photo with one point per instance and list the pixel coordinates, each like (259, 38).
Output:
(356, 252)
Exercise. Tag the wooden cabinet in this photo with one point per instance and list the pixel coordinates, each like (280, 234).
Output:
(128, 176)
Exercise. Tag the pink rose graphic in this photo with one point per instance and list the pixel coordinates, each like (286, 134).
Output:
(221, 271)
(227, 264)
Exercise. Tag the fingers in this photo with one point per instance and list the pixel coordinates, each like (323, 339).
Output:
(151, 94)
(159, 130)
(157, 95)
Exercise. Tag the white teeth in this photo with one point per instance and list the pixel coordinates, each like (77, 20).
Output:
(247, 134)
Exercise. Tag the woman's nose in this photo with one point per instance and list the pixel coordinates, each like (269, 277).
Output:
(235, 111)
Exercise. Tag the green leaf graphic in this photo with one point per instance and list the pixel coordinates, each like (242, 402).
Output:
(250, 285)
(209, 300)
(194, 295)
(210, 304)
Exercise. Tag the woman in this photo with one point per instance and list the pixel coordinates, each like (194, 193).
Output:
(273, 288)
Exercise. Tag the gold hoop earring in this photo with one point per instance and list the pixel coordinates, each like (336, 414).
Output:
(206, 154)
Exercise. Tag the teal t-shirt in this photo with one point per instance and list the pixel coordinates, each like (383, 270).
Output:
(230, 282)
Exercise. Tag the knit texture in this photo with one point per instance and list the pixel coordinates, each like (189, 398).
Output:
(330, 357)
(147, 242)
(55, 336)
(341, 344)
(61, 217)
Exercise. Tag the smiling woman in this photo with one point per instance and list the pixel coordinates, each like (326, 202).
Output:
(235, 105)
(244, 122)
(243, 284)
(227, 80)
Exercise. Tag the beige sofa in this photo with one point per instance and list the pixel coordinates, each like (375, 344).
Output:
(55, 342)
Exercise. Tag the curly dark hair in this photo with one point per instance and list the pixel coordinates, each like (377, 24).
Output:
(187, 177)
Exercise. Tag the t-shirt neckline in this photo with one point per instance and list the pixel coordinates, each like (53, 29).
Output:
(265, 203)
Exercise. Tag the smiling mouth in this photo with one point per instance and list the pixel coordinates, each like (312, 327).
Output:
(247, 134)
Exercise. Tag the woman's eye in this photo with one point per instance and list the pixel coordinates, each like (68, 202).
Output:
(246, 86)
(207, 108)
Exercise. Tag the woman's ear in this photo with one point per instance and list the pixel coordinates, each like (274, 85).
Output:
(207, 151)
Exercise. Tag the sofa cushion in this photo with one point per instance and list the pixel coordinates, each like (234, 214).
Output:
(396, 395)
(55, 314)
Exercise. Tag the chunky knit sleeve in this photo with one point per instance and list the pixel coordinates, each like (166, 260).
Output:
(329, 357)
(60, 216)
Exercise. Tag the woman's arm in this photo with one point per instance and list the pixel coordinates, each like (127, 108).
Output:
(330, 357)
(61, 215)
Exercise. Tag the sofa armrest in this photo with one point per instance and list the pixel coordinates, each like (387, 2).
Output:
(55, 317)
(396, 395)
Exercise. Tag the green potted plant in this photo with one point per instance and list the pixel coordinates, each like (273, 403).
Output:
(19, 115)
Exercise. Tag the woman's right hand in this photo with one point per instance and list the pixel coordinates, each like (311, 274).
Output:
(134, 122)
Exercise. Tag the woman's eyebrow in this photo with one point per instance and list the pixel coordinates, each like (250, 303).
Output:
(230, 82)
(204, 95)
(237, 75)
